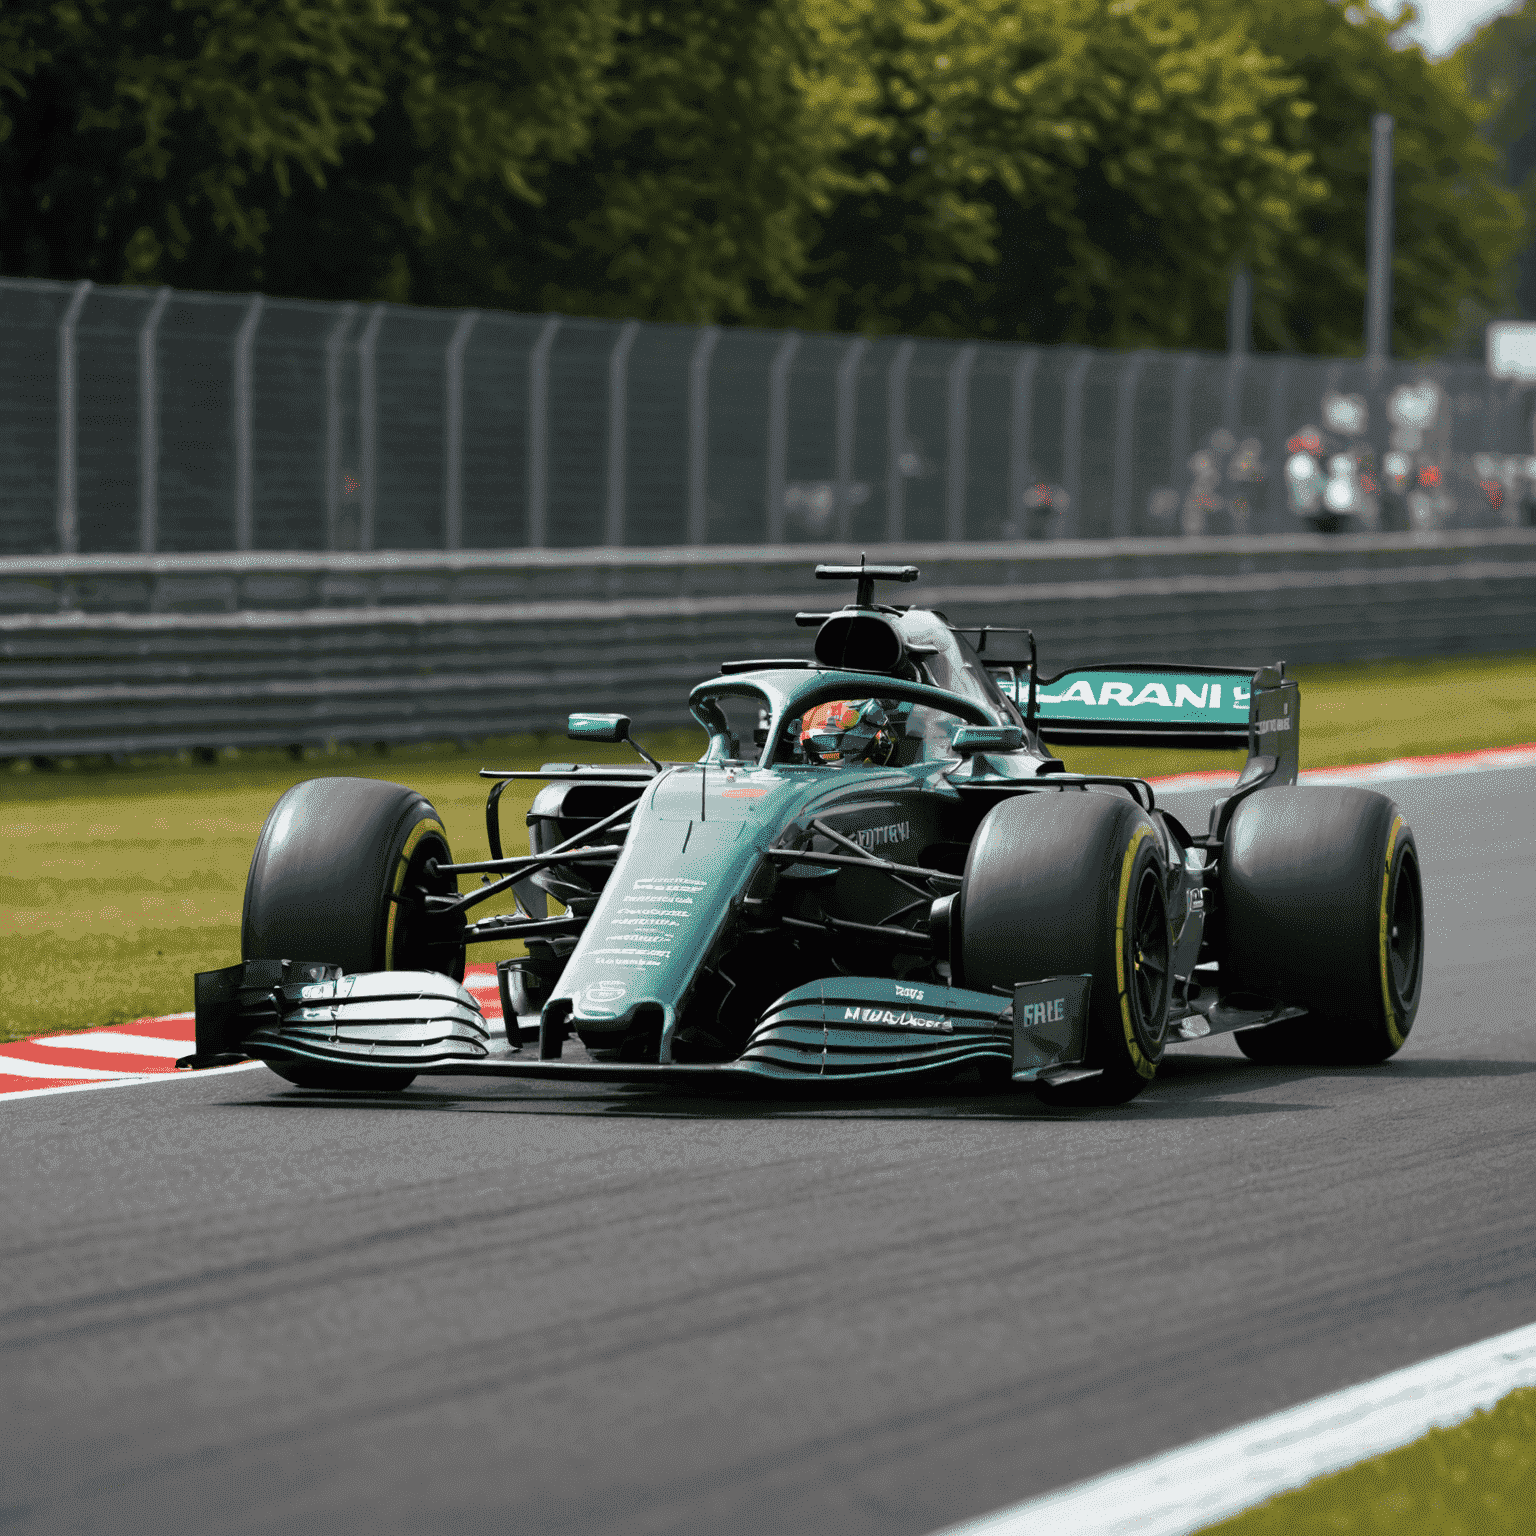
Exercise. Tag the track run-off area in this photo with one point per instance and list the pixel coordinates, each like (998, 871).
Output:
(233, 1306)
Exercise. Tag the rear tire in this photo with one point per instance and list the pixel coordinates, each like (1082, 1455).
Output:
(338, 875)
(1064, 883)
(1323, 909)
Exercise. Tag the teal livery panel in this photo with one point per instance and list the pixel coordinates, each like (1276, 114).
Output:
(1166, 699)
(1151, 705)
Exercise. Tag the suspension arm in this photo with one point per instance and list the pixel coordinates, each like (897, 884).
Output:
(525, 866)
(864, 861)
(509, 926)
(902, 938)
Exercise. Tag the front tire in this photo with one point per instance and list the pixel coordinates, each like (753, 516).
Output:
(1061, 883)
(1324, 909)
(339, 874)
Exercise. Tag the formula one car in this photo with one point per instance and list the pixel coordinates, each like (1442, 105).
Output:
(877, 871)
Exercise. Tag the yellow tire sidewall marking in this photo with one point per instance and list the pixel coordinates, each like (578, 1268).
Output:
(1393, 1032)
(425, 825)
(1138, 1057)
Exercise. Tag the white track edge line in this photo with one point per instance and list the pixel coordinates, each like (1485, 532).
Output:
(129, 1080)
(1184, 1490)
(83, 1071)
(111, 1042)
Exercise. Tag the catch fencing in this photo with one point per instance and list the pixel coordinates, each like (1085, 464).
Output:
(143, 421)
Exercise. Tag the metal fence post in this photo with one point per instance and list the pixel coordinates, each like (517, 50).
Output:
(698, 433)
(1232, 393)
(538, 434)
(845, 426)
(618, 414)
(1072, 445)
(1508, 417)
(453, 431)
(332, 497)
(1379, 239)
(1279, 398)
(368, 424)
(245, 410)
(1178, 433)
(958, 445)
(1020, 410)
(1240, 311)
(149, 426)
(68, 511)
(1125, 435)
(1492, 410)
(778, 434)
(896, 442)
(1493, 415)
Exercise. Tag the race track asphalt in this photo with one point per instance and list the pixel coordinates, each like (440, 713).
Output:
(227, 1307)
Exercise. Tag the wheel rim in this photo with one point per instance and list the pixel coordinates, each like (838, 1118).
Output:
(1148, 960)
(1405, 930)
(420, 943)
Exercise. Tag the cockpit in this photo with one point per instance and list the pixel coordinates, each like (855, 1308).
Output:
(902, 725)
(874, 732)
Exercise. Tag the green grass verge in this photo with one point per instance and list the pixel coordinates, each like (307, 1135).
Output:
(1476, 1479)
(117, 883)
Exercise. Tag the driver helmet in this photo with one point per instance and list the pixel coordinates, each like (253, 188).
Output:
(847, 731)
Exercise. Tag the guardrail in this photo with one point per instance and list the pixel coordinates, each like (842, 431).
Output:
(143, 654)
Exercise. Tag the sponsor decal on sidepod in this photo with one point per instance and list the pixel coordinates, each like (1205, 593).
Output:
(878, 837)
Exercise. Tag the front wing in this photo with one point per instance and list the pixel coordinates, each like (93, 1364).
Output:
(840, 1030)
(827, 1034)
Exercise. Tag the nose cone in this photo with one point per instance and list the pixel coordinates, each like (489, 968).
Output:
(690, 853)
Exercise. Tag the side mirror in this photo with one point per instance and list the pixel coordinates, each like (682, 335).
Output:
(598, 728)
(971, 739)
(613, 728)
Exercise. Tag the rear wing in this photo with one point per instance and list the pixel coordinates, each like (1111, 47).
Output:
(1143, 705)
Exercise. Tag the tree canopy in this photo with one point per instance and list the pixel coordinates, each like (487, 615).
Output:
(1456, 222)
(1059, 170)
(1079, 170)
(1500, 64)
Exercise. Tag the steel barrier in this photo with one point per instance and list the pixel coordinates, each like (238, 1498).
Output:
(166, 653)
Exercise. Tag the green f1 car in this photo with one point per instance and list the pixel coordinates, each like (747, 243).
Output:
(878, 870)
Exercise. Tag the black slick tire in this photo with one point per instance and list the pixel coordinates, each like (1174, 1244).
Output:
(1323, 909)
(1065, 883)
(337, 875)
